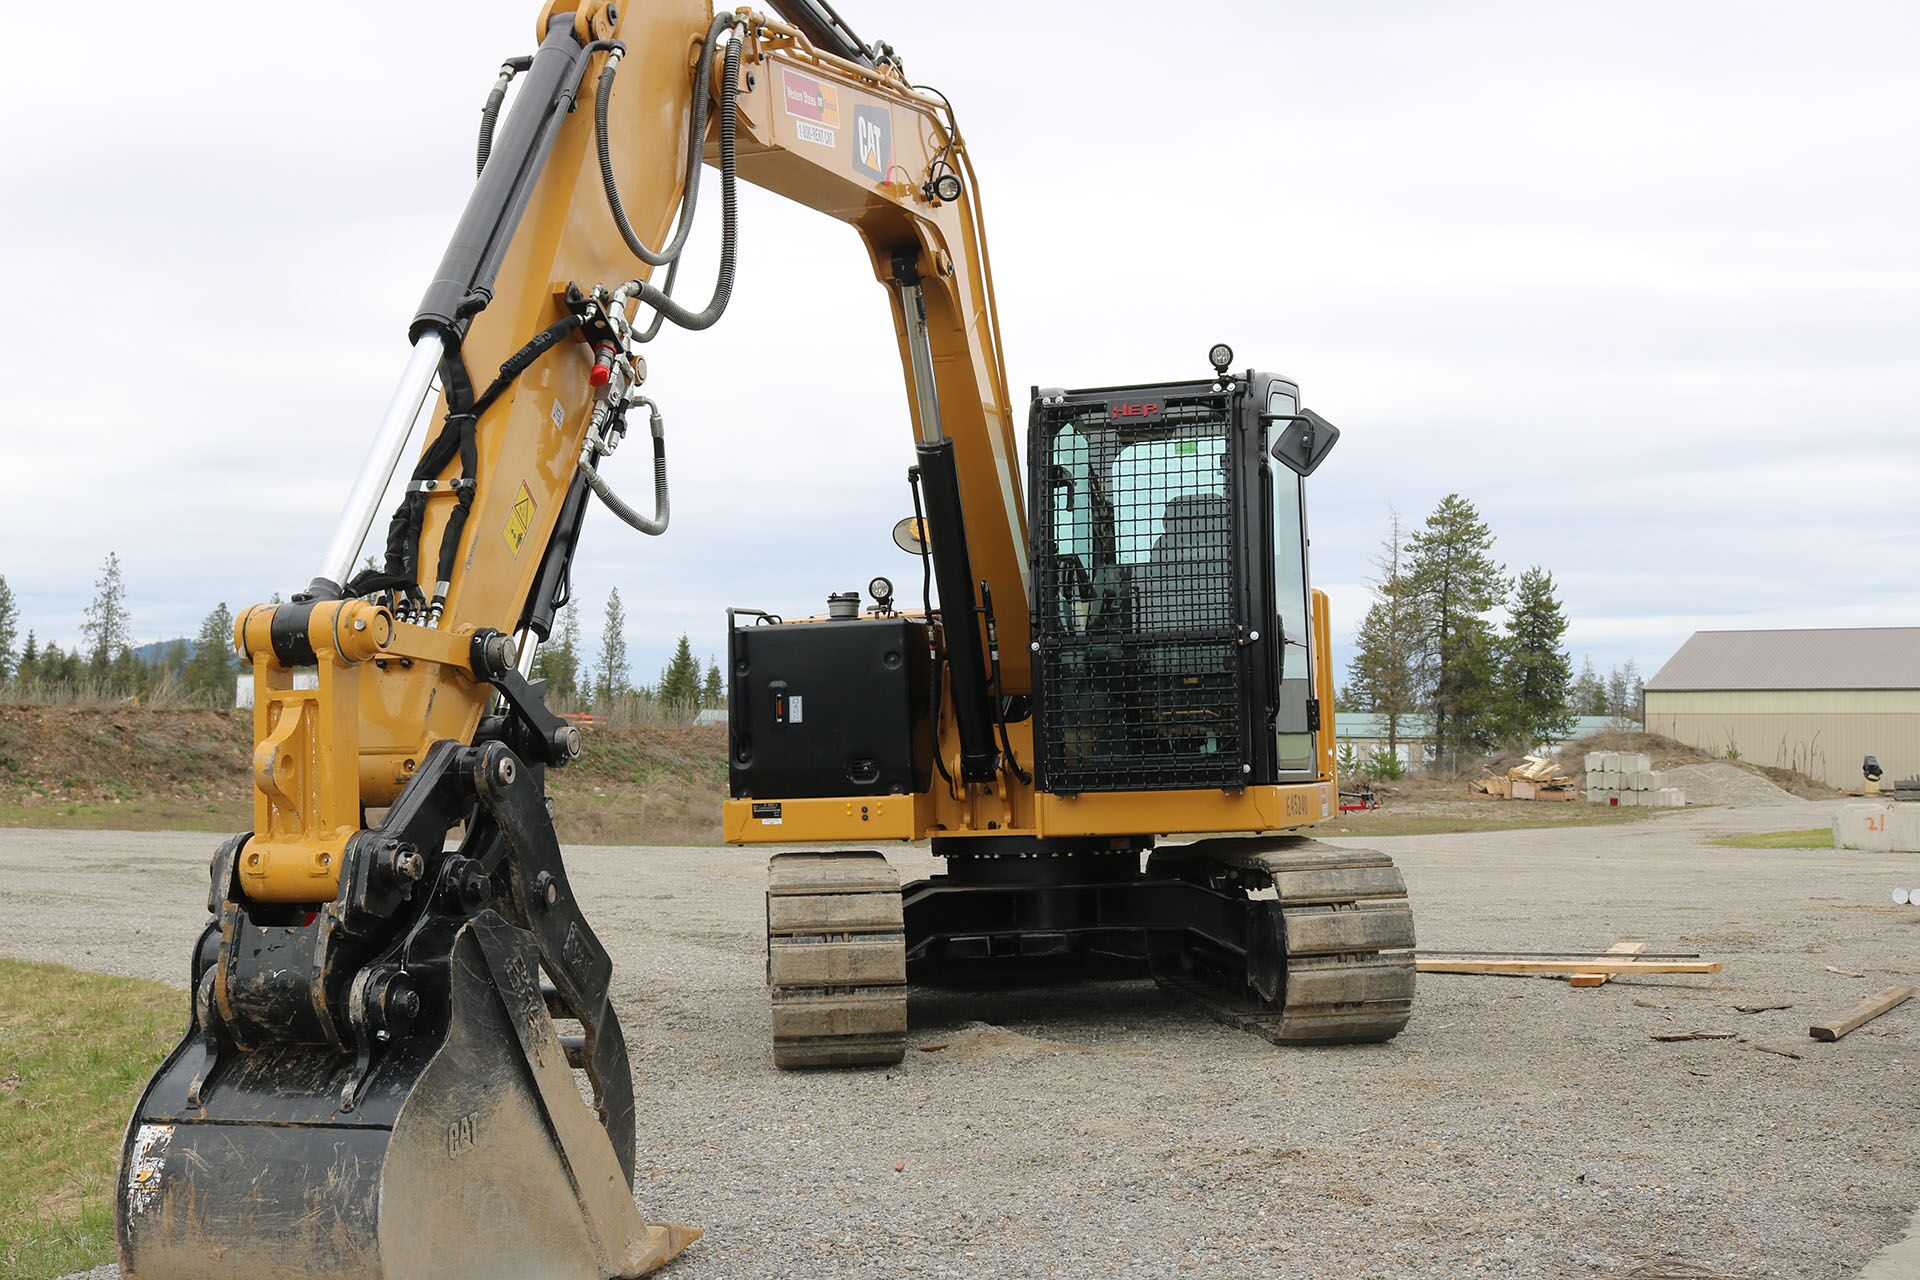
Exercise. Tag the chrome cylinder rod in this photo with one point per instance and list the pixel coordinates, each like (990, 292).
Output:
(376, 473)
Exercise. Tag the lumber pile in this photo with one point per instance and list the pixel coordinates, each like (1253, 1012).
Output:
(1535, 778)
(1626, 778)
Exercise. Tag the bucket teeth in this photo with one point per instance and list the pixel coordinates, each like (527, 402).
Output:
(1346, 933)
(836, 960)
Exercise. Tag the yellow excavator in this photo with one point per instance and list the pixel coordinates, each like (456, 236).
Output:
(402, 1059)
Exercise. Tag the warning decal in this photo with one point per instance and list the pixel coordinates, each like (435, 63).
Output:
(146, 1163)
(519, 520)
(814, 106)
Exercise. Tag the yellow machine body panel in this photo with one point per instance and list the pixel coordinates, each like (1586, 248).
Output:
(1014, 808)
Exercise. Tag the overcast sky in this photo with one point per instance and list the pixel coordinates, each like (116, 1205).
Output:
(1641, 280)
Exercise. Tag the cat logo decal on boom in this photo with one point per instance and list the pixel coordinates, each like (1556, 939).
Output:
(873, 141)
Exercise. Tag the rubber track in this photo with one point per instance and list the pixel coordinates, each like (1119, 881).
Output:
(836, 959)
(1349, 939)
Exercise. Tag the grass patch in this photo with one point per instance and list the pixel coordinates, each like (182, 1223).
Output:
(162, 813)
(1811, 838)
(75, 1050)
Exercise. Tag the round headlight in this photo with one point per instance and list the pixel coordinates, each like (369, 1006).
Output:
(947, 187)
(1221, 357)
(881, 589)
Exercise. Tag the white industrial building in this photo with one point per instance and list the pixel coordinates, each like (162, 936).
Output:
(1818, 701)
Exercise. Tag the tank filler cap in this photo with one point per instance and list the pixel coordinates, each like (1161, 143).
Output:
(843, 604)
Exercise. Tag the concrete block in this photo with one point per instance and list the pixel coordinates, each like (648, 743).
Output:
(1596, 796)
(1596, 761)
(1864, 826)
(1644, 779)
(1903, 828)
(1632, 761)
(1629, 799)
(1609, 780)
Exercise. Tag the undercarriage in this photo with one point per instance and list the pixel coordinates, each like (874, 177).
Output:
(1286, 937)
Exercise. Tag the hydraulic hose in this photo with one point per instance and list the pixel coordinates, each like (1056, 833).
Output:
(652, 330)
(696, 144)
(490, 113)
(658, 299)
(657, 524)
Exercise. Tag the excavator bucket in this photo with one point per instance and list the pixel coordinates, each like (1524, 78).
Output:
(471, 1153)
(453, 1131)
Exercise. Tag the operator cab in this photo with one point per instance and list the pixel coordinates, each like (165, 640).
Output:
(1172, 614)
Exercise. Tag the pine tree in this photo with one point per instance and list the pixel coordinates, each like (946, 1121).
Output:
(108, 627)
(127, 676)
(28, 668)
(558, 662)
(1454, 582)
(1636, 691)
(713, 694)
(1536, 671)
(680, 682)
(611, 677)
(211, 668)
(173, 661)
(1589, 691)
(9, 631)
(1617, 693)
(1384, 676)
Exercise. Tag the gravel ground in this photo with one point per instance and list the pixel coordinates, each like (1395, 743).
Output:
(1726, 784)
(1519, 1128)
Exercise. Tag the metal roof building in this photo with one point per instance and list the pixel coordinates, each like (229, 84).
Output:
(1818, 701)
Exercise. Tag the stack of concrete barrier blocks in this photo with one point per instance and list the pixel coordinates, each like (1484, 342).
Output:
(1627, 779)
(1878, 826)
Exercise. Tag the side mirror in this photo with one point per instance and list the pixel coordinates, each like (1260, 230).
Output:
(1306, 441)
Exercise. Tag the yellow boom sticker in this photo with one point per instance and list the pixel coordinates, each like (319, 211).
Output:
(519, 520)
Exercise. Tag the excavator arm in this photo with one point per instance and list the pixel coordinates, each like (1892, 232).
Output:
(374, 1081)
(403, 1059)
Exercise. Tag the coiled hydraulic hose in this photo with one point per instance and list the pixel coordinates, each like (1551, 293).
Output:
(660, 299)
(696, 144)
(663, 511)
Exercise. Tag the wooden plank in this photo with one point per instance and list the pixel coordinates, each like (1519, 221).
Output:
(1554, 968)
(1598, 978)
(1861, 1014)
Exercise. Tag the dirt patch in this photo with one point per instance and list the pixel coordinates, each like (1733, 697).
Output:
(187, 769)
(980, 1040)
(54, 759)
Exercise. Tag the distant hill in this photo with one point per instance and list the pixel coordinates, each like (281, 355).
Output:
(151, 654)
